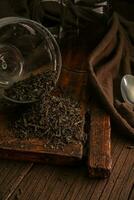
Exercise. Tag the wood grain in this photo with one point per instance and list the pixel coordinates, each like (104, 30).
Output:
(70, 183)
(35, 149)
(99, 158)
(12, 173)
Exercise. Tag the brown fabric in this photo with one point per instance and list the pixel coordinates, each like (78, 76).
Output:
(106, 77)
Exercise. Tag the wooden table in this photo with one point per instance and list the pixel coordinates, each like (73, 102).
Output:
(32, 181)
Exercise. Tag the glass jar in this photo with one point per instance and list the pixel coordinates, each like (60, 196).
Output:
(26, 49)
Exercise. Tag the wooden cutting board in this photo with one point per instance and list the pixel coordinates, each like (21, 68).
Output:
(35, 149)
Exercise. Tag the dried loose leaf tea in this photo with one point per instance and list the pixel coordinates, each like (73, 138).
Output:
(32, 87)
(57, 119)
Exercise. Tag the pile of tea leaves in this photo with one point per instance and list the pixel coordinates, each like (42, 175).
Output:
(32, 87)
(57, 119)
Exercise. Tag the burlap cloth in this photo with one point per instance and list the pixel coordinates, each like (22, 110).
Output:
(112, 58)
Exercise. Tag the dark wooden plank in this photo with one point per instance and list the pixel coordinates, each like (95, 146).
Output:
(59, 188)
(5, 167)
(122, 182)
(72, 154)
(35, 149)
(56, 183)
(96, 188)
(81, 191)
(84, 192)
(34, 183)
(128, 187)
(70, 183)
(115, 174)
(52, 183)
(99, 160)
(80, 185)
(117, 147)
(61, 185)
(11, 173)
